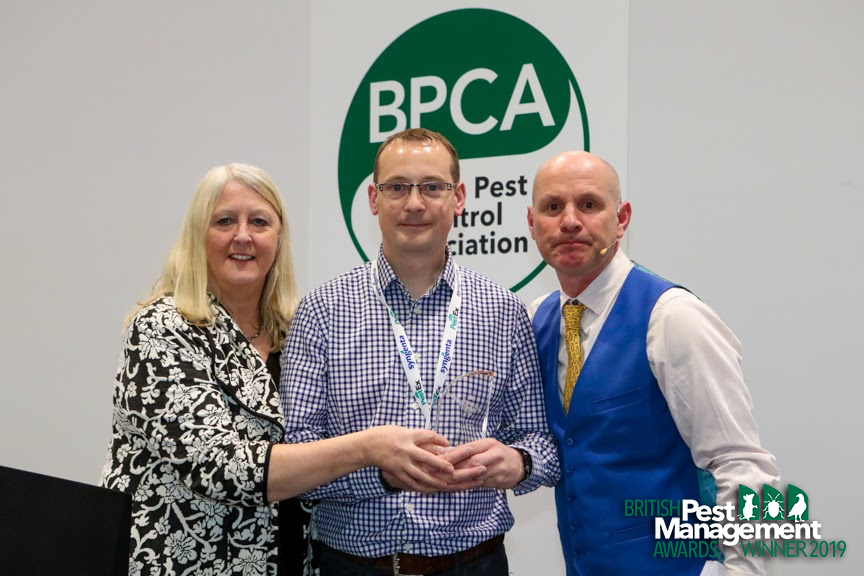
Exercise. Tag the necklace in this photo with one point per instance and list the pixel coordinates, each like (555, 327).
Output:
(252, 337)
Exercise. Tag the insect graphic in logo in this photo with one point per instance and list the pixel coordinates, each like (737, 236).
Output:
(774, 508)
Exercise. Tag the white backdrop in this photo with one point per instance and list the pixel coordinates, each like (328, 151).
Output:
(744, 133)
(592, 39)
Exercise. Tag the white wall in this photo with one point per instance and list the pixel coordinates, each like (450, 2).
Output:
(110, 114)
(746, 140)
(744, 171)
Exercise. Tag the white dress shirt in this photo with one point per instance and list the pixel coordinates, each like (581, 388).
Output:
(696, 360)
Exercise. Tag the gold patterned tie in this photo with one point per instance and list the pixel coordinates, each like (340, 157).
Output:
(572, 319)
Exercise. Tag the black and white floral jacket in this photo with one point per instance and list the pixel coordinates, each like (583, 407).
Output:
(195, 416)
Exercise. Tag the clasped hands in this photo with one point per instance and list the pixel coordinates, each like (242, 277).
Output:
(422, 461)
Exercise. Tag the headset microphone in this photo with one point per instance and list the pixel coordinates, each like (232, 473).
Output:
(606, 249)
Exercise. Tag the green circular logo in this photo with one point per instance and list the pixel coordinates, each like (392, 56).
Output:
(497, 88)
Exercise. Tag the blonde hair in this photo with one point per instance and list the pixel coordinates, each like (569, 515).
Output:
(185, 273)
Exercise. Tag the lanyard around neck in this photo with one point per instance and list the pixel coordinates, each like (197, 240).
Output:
(406, 352)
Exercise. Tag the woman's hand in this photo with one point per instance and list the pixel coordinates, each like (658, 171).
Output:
(408, 457)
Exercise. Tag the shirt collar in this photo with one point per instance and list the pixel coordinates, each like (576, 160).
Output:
(603, 289)
(387, 275)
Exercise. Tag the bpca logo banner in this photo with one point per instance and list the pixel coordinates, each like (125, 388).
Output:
(770, 526)
(500, 91)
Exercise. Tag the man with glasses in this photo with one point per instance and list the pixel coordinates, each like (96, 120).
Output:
(643, 387)
(413, 339)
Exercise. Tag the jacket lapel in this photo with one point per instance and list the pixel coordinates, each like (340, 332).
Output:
(241, 371)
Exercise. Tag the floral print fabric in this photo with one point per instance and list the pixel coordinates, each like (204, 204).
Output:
(195, 416)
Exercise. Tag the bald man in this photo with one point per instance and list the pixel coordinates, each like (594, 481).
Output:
(643, 385)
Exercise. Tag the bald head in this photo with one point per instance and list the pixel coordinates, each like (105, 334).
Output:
(577, 217)
(578, 164)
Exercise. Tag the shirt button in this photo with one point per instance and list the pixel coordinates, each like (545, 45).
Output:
(574, 525)
(416, 311)
(414, 405)
(407, 546)
(570, 470)
(571, 496)
(569, 441)
(409, 507)
(577, 552)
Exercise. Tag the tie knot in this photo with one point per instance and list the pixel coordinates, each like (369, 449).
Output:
(573, 313)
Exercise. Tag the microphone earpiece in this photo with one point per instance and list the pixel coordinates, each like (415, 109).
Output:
(606, 249)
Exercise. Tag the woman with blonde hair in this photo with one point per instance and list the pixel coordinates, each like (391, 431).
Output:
(197, 425)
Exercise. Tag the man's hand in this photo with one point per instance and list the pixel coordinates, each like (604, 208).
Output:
(503, 464)
(407, 457)
(465, 478)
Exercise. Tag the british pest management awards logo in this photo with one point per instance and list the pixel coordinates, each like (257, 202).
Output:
(499, 90)
(770, 526)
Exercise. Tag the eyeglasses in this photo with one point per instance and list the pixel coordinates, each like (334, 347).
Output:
(401, 190)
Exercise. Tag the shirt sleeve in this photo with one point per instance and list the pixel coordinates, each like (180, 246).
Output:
(524, 422)
(697, 362)
(171, 406)
(303, 389)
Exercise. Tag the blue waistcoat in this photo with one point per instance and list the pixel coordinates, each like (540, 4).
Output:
(618, 441)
